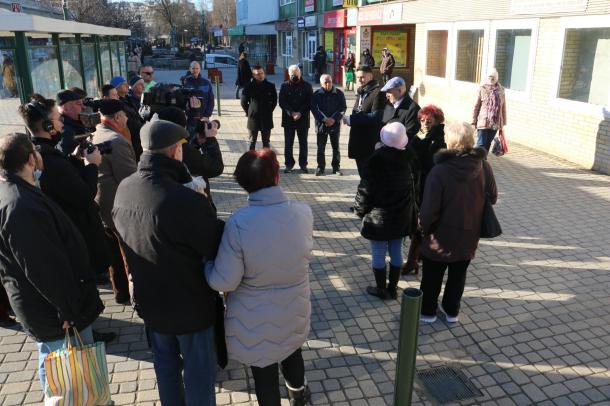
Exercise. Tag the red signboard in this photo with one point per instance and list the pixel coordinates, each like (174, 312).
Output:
(16, 7)
(335, 19)
(371, 15)
(310, 6)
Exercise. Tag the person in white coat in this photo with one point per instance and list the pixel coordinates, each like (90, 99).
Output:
(263, 261)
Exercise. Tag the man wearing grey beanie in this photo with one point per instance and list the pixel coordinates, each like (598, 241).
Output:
(169, 231)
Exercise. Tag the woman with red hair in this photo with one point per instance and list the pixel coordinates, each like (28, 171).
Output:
(263, 261)
(432, 122)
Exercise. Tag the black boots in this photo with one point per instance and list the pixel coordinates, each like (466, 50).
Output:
(393, 281)
(300, 397)
(382, 290)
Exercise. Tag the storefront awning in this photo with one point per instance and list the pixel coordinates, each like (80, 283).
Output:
(261, 29)
(31, 23)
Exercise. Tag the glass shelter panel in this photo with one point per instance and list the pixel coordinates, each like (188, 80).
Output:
(91, 85)
(42, 55)
(71, 65)
(106, 68)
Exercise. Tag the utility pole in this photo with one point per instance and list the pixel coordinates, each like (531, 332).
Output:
(64, 8)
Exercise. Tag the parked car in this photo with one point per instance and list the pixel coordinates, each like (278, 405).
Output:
(220, 61)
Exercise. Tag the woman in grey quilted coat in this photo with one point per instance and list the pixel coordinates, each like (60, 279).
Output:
(263, 264)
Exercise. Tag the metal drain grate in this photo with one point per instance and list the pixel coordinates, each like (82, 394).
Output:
(446, 384)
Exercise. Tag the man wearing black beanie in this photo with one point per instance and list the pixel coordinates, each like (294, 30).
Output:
(169, 231)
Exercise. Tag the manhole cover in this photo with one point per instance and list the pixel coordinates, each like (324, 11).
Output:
(446, 384)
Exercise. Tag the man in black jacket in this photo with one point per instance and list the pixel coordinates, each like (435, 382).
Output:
(319, 63)
(44, 265)
(401, 108)
(295, 102)
(168, 232)
(70, 106)
(258, 100)
(328, 106)
(365, 120)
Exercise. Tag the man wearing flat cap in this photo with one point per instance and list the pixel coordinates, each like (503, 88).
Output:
(401, 108)
(115, 167)
(169, 231)
(70, 104)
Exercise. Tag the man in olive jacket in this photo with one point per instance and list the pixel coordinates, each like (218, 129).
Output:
(168, 232)
(44, 265)
(258, 100)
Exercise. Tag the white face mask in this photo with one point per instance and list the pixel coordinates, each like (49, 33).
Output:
(197, 184)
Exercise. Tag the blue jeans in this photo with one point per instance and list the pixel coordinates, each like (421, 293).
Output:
(195, 354)
(379, 249)
(484, 137)
(47, 347)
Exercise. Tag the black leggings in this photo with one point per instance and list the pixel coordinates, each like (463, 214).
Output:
(267, 380)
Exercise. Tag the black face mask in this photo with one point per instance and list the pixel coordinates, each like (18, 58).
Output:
(294, 78)
(55, 138)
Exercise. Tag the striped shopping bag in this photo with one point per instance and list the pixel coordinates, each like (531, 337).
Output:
(77, 375)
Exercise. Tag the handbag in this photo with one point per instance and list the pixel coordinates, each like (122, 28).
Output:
(77, 375)
(500, 147)
(490, 226)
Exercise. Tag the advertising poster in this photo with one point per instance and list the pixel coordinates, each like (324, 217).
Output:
(328, 44)
(310, 6)
(365, 39)
(395, 41)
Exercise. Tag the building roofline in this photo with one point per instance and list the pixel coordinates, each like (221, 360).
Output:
(34, 23)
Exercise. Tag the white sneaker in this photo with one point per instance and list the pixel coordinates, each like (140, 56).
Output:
(427, 319)
(450, 319)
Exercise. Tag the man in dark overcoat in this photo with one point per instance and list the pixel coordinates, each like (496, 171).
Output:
(258, 100)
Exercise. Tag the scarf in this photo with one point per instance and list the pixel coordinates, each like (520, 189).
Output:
(492, 106)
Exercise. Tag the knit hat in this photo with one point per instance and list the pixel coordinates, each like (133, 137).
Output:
(66, 96)
(109, 107)
(117, 81)
(173, 114)
(135, 80)
(161, 134)
(394, 135)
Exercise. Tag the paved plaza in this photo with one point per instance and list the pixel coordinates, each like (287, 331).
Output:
(534, 326)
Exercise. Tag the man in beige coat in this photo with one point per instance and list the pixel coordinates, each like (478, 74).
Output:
(115, 167)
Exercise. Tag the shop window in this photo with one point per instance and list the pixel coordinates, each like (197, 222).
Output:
(287, 49)
(91, 85)
(585, 66)
(469, 58)
(71, 66)
(512, 57)
(436, 57)
(44, 70)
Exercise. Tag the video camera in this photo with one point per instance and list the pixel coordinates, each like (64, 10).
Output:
(85, 145)
(90, 120)
(164, 95)
(201, 125)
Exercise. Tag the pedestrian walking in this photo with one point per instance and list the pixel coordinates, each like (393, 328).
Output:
(401, 108)
(432, 121)
(489, 114)
(169, 231)
(258, 100)
(45, 268)
(450, 217)
(367, 59)
(328, 107)
(387, 65)
(386, 203)
(244, 73)
(350, 76)
(319, 63)
(268, 308)
(295, 102)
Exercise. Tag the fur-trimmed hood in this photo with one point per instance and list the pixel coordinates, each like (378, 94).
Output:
(465, 164)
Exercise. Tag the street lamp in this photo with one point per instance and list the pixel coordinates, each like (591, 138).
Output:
(183, 38)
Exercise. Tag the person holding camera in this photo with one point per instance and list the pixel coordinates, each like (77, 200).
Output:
(328, 106)
(69, 180)
(258, 100)
(70, 105)
(114, 167)
(201, 105)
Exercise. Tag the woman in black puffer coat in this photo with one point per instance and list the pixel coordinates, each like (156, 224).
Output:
(432, 122)
(386, 203)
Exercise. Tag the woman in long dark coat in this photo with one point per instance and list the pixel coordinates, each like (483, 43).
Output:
(244, 73)
(386, 203)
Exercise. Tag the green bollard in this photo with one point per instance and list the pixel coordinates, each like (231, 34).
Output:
(218, 95)
(407, 346)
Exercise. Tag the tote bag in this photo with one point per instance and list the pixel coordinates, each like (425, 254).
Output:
(77, 375)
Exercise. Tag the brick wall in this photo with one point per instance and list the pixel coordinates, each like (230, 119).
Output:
(537, 120)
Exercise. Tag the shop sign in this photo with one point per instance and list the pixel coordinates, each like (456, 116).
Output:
(395, 41)
(352, 17)
(547, 6)
(300, 23)
(371, 15)
(392, 13)
(237, 30)
(283, 26)
(365, 39)
(310, 6)
(337, 3)
(350, 3)
(311, 21)
(335, 19)
(328, 44)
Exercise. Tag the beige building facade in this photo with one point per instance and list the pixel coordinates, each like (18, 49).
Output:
(553, 58)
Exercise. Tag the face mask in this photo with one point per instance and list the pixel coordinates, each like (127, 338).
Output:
(294, 78)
